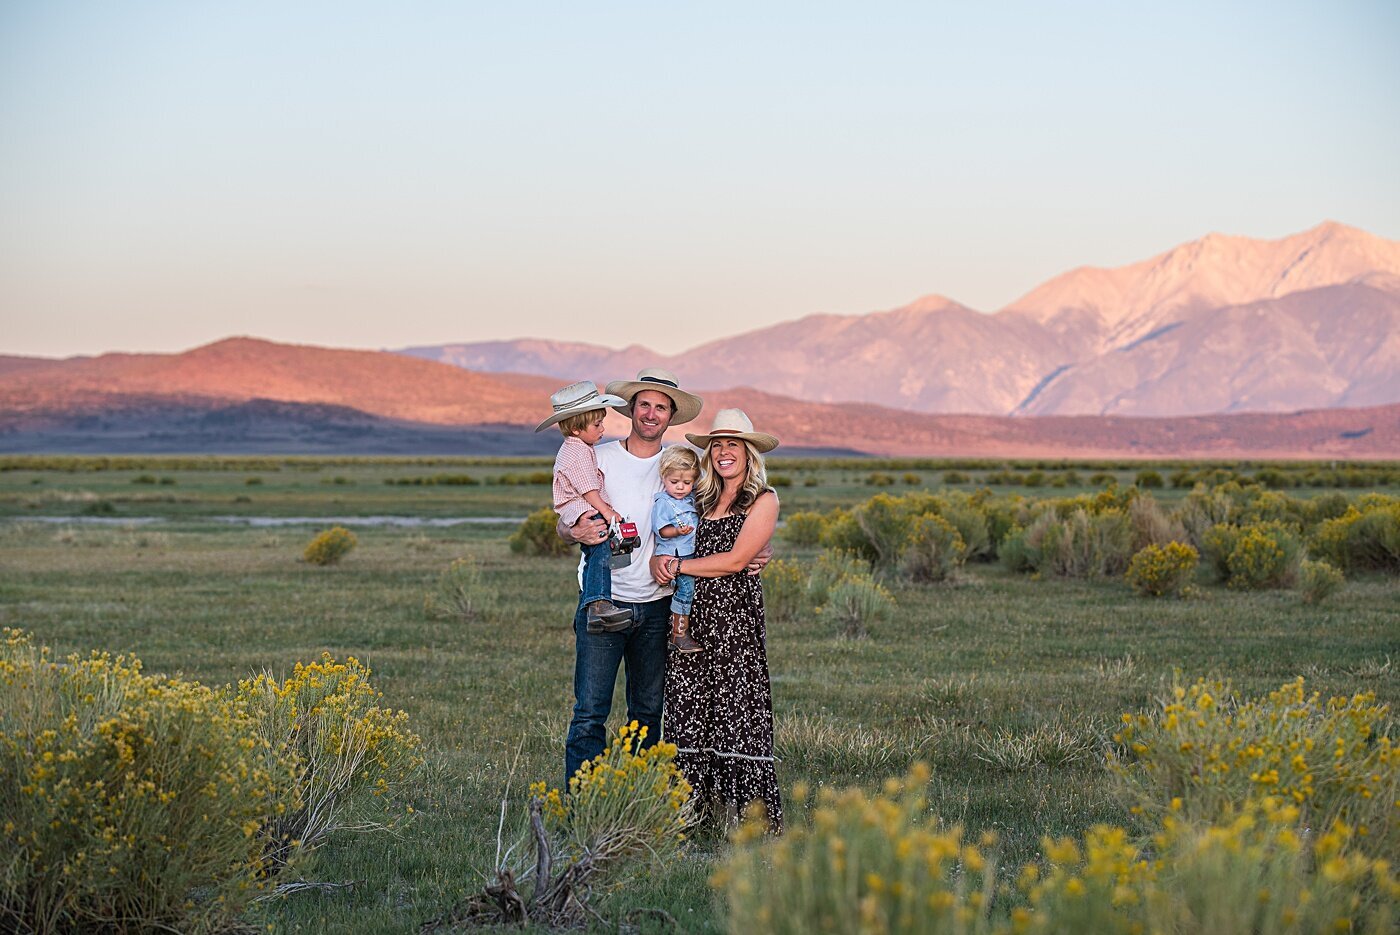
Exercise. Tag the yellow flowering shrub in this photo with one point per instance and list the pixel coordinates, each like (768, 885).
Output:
(1364, 538)
(1318, 581)
(121, 794)
(537, 535)
(804, 528)
(625, 809)
(1205, 752)
(860, 863)
(1157, 570)
(350, 753)
(934, 551)
(785, 589)
(1265, 555)
(1250, 872)
(626, 801)
(330, 546)
(867, 863)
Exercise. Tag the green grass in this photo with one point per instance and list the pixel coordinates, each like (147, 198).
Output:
(1007, 685)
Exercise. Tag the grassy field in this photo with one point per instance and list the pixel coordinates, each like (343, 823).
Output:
(1008, 686)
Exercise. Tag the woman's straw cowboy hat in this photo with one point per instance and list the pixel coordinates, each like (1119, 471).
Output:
(662, 381)
(579, 397)
(733, 423)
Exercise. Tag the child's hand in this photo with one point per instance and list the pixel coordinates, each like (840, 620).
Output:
(612, 516)
(685, 529)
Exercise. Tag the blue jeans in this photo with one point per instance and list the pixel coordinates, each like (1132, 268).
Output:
(596, 659)
(684, 598)
(597, 572)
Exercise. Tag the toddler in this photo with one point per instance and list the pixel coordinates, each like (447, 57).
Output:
(674, 518)
(578, 489)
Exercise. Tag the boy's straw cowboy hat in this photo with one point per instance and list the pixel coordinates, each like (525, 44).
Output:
(662, 381)
(733, 423)
(582, 396)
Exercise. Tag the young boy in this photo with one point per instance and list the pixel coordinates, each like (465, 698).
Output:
(674, 518)
(578, 489)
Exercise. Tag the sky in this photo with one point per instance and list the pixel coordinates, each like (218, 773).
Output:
(382, 175)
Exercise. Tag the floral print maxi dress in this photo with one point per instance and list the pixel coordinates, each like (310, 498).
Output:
(719, 705)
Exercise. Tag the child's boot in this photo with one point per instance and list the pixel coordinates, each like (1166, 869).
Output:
(606, 617)
(681, 640)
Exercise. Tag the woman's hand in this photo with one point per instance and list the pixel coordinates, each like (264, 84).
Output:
(661, 569)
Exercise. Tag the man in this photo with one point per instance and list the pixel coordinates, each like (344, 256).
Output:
(630, 480)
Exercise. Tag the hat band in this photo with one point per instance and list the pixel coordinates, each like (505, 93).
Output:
(560, 407)
(658, 380)
(726, 432)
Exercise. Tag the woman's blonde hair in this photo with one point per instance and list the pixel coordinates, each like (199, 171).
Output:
(677, 458)
(707, 490)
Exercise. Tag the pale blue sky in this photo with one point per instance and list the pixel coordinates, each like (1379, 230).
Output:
(386, 174)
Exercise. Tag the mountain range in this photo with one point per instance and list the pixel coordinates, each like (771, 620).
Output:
(250, 395)
(1221, 324)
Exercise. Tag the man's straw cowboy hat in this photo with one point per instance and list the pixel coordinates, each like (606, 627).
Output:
(662, 381)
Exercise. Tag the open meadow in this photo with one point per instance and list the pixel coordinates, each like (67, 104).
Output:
(1009, 685)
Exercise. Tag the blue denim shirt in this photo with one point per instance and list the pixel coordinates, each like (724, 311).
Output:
(666, 510)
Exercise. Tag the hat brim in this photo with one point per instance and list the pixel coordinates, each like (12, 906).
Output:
(762, 441)
(688, 405)
(605, 401)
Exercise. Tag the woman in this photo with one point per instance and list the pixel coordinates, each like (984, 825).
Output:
(719, 705)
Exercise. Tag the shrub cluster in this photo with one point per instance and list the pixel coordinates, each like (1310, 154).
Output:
(134, 802)
(349, 753)
(434, 480)
(122, 793)
(330, 546)
(1318, 581)
(538, 535)
(626, 809)
(1158, 570)
(1203, 752)
(837, 585)
(1362, 539)
(874, 863)
(460, 593)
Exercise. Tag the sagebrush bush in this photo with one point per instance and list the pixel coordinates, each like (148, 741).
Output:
(1366, 539)
(785, 590)
(1151, 524)
(856, 602)
(1216, 545)
(122, 794)
(1081, 545)
(934, 551)
(460, 593)
(1203, 752)
(1200, 512)
(330, 546)
(1318, 581)
(804, 528)
(829, 570)
(350, 753)
(538, 535)
(1158, 570)
(1265, 555)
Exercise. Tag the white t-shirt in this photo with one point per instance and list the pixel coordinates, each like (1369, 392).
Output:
(629, 484)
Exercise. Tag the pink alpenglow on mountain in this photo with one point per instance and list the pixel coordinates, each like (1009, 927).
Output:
(1221, 324)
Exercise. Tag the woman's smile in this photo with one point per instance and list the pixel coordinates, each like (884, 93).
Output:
(729, 456)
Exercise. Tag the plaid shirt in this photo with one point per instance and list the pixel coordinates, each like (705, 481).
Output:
(576, 473)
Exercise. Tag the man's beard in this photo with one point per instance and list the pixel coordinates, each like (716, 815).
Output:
(647, 433)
